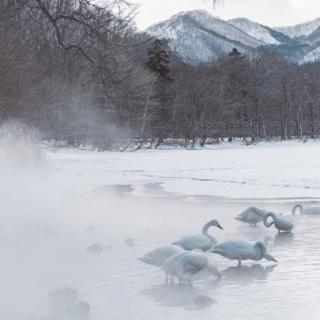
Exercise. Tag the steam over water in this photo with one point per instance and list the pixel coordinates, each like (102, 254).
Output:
(63, 224)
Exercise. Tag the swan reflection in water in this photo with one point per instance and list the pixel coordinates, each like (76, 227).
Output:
(179, 295)
(247, 274)
(280, 239)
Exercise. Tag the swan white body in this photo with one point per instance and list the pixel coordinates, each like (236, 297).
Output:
(306, 211)
(202, 241)
(282, 223)
(157, 257)
(243, 250)
(185, 264)
(252, 216)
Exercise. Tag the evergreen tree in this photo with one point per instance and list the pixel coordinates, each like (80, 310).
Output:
(158, 60)
(234, 53)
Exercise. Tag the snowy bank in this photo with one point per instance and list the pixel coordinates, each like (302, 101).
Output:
(268, 170)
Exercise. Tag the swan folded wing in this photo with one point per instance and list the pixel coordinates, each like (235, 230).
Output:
(261, 213)
(159, 256)
(174, 265)
(236, 250)
(170, 265)
(194, 242)
(285, 223)
(251, 215)
(252, 211)
(192, 263)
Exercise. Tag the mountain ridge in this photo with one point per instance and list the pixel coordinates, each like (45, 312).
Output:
(198, 37)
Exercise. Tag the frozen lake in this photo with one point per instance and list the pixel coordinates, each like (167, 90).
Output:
(58, 204)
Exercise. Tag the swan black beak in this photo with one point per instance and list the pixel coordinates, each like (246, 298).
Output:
(270, 258)
(220, 227)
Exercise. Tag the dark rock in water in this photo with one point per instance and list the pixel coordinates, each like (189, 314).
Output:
(78, 311)
(95, 249)
(129, 242)
(60, 299)
(203, 301)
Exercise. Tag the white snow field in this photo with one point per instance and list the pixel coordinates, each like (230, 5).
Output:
(265, 171)
(79, 220)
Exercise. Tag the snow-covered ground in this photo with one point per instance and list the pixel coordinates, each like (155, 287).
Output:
(278, 170)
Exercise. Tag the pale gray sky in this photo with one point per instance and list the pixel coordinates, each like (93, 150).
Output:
(268, 12)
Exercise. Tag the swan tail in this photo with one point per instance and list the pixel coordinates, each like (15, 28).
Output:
(178, 243)
(146, 259)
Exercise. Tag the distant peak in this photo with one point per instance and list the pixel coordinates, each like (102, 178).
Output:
(244, 20)
(240, 19)
(300, 24)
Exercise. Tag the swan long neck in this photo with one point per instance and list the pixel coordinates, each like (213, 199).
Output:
(206, 228)
(260, 250)
(265, 222)
(206, 233)
(295, 208)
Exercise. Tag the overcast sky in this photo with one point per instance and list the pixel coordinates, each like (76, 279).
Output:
(268, 12)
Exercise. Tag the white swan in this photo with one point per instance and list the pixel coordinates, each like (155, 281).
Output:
(157, 257)
(185, 264)
(252, 216)
(243, 250)
(282, 223)
(305, 211)
(202, 241)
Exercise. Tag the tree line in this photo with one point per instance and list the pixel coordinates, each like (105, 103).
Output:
(80, 72)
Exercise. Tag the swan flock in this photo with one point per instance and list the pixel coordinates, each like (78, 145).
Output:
(189, 255)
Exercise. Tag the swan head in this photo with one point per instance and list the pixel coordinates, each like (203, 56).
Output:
(264, 253)
(265, 219)
(214, 223)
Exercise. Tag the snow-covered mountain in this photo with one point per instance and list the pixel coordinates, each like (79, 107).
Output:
(256, 30)
(312, 56)
(314, 37)
(300, 30)
(198, 37)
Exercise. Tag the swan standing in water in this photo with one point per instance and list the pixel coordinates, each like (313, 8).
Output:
(202, 241)
(282, 223)
(157, 257)
(185, 264)
(305, 211)
(252, 216)
(243, 250)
